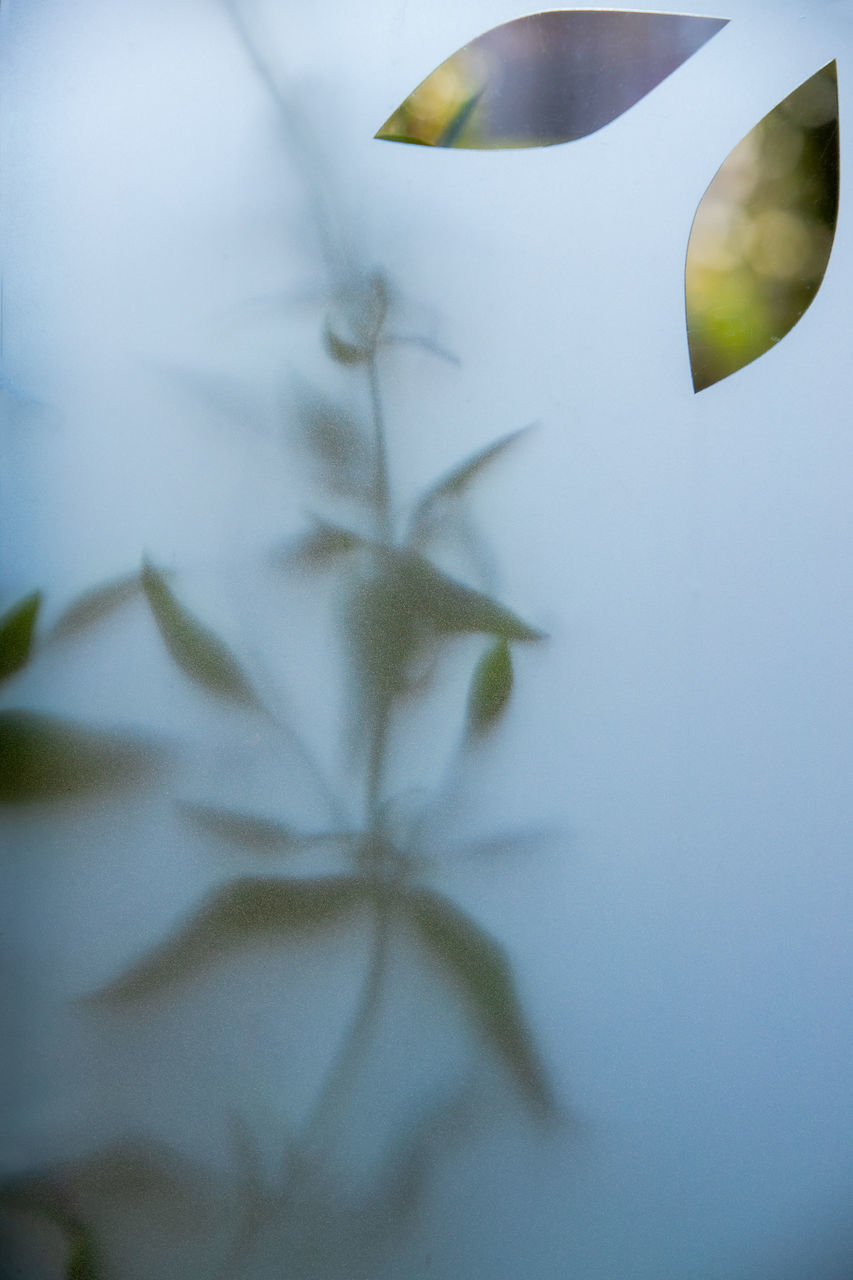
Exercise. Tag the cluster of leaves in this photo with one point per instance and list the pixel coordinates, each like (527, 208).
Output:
(403, 607)
(403, 610)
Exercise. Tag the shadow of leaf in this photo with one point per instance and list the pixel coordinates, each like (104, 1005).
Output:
(319, 547)
(455, 483)
(546, 78)
(243, 909)
(422, 590)
(197, 650)
(46, 758)
(763, 232)
(17, 633)
(95, 605)
(482, 972)
(73, 1194)
(405, 604)
(259, 835)
(491, 686)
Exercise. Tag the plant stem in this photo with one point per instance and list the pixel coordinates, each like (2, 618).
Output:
(381, 481)
(344, 1068)
(382, 504)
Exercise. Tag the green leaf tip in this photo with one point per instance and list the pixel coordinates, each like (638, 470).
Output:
(353, 330)
(253, 833)
(491, 686)
(81, 1257)
(336, 443)
(343, 352)
(45, 758)
(455, 483)
(197, 650)
(482, 971)
(95, 605)
(405, 606)
(320, 546)
(17, 633)
(232, 914)
(450, 606)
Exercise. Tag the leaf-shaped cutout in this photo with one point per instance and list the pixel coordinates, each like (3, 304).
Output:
(199, 653)
(17, 632)
(95, 605)
(491, 686)
(547, 78)
(455, 483)
(46, 758)
(482, 971)
(762, 234)
(353, 327)
(240, 910)
(258, 835)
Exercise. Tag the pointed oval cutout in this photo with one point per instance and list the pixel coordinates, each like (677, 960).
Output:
(546, 78)
(762, 234)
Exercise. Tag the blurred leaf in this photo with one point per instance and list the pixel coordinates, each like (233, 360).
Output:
(17, 632)
(46, 758)
(482, 971)
(450, 606)
(95, 605)
(337, 444)
(81, 1257)
(342, 351)
(234, 913)
(491, 687)
(199, 653)
(454, 484)
(322, 544)
(354, 325)
(762, 235)
(262, 835)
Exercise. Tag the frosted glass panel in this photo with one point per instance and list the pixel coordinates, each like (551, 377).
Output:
(425, 721)
(546, 78)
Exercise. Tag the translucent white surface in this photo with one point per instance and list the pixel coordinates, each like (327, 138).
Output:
(682, 946)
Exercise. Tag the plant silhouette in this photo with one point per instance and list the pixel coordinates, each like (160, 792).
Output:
(402, 612)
